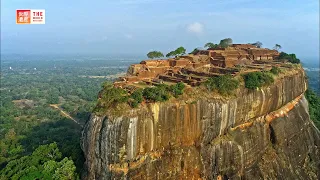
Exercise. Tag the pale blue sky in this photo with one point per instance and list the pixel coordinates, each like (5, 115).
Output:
(138, 26)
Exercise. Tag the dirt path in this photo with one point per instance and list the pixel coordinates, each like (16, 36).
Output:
(65, 114)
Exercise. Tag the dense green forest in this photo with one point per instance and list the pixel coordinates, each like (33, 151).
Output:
(38, 138)
(28, 123)
(314, 106)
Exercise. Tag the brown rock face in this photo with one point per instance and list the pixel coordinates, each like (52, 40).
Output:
(261, 134)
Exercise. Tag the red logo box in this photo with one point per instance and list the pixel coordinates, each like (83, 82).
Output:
(23, 16)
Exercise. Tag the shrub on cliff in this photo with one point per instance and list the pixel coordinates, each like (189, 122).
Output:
(177, 89)
(223, 84)
(267, 78)
(111, 95)
(275, 70)
(136, 98)
(290, 57)
(156, 94)
(314, 106)
(257, 79)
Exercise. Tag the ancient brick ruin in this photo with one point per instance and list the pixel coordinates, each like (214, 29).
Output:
(193, 69)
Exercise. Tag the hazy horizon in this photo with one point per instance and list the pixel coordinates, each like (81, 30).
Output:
(107, 55)
(134, 27)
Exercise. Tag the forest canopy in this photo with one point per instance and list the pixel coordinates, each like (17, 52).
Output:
(27, 120)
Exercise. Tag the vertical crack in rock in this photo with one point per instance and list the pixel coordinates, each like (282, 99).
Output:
(272, 135)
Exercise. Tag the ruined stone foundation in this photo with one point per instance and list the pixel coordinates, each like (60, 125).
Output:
(260, 134)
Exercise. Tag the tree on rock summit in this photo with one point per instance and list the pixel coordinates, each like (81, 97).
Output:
(258, 44)
(277, 47)
(225, 42)
(178, 52)
(155, 54)
(211, 45)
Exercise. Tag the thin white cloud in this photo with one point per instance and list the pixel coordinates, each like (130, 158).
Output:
(139, 2)
(128, 36)
(196, 28)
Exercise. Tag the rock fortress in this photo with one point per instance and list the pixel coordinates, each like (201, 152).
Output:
(259, 131)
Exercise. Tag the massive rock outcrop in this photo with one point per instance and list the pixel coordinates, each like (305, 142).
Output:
(259, 134)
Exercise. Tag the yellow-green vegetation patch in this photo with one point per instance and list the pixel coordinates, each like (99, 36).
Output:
(255, 80)
(114, 99)
(224, 84)
(289, 57)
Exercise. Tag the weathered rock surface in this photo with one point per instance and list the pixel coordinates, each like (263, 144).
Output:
(261, 134)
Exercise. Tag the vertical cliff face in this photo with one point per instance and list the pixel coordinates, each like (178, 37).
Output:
(260, 134)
